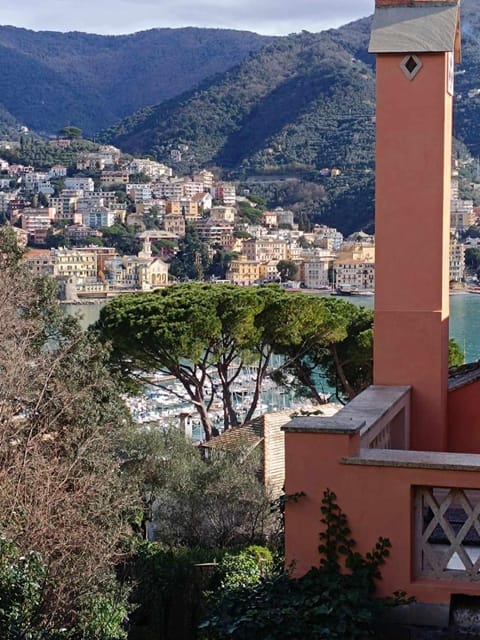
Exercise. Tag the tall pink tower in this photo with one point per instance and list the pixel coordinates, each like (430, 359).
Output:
(417, 43)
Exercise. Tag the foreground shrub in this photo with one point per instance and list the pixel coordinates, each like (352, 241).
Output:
(324, 603)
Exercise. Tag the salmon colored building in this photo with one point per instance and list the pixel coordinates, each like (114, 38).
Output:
(403, 457)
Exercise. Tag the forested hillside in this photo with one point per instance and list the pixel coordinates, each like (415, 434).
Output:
(354, 38)
(52, 79)
(302, 104)
(9, 126)
(301, 100)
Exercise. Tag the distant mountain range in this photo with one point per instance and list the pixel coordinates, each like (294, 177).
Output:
(51, 79)
(259, 108)
(306, 99)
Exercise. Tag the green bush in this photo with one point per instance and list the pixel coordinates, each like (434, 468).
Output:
(21, 585)
(103, 618)
(245, 568)
(22, 593)
(325, 603)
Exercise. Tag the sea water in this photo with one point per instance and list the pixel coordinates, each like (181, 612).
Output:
(464, 319)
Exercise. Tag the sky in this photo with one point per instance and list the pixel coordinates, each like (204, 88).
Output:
(270, 17)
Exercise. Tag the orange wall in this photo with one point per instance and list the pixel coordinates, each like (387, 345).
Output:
(464, 419)
(377, 502)
(413, 173)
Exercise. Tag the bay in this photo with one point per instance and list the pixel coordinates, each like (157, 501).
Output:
(464, 319)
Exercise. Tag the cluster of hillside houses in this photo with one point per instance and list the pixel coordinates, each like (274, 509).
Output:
(41, 204)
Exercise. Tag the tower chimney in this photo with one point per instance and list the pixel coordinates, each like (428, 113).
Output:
(415, 43)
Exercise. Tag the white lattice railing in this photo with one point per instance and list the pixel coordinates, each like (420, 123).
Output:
(447, 533)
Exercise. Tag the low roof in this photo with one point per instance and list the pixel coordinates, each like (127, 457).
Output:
(415, 29)
(250, 435)
(465, 374)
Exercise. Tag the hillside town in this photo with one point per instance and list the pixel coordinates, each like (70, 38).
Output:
(70, 220)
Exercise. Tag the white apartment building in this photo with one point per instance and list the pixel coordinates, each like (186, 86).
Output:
(191, 188)
(37, 223)
(316, 270)
(354, 274)
(57, 171)
(139, 192)
(32, 181)
(333, 238)
(457, 260)
(150, 168)
(97, 217)
(225, 192)
(80, 183)
(171, 190)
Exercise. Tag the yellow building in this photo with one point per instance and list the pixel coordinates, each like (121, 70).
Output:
(244, 272)
(269, 219)
(356, 251)
(187, 208)
(268, 271)
(174, 223)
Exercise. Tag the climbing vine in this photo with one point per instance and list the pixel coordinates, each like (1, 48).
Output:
(335, 600)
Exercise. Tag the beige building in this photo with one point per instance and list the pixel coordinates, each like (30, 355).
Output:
(91, 162)
(81, 264)
(268, 271)
(136, 273)
(39, 261)
(269, 219)
(354, 275)
(265, 249)
(356, 251)
(183, 207)
(212, 232)
(230, 243)
(262, 434)
(205, 177)
(244, 272)
(63, 263)
(114, 177)
(223, 214)
(66, 202)
(175, 224)
(37, 223)
(151, 168)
